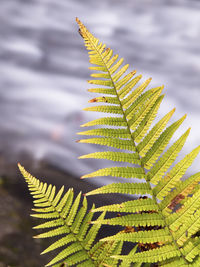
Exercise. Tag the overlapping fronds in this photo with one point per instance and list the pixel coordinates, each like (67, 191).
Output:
(68, 219)
(165, 219)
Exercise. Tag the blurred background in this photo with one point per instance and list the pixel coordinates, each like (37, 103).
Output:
(43, 74)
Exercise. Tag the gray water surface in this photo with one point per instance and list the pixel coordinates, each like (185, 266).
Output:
(44, 68)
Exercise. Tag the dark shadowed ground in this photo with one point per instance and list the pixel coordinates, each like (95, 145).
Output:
(43, 73)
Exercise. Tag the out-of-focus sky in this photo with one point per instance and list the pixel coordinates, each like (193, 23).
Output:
(44, 68)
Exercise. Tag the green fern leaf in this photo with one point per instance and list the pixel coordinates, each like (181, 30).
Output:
(161, 166)
(122, 133)
(154, 255)
(103, 250)
(128, 86)
(71, 223)
(144, 126)
(175, 174)
(106, 121)
(190, 227)
(136, 94)
(190, 206)
(114, 156)
(140, 115)
(153, 219)
(183, 189)
(122, 188)
(111, 142)
(150, 236)
(137, 205)
(152, 136)
(158, 147)
(160, 223)
(125, 172)
(191, 250)
(104, 91)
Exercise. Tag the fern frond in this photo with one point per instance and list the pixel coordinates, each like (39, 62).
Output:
(170, 180)
(159, 219)
(111, 142)
(68, 221)
(122, 188)
(190, 227)
(153, 135)
(136, 119)
(144, 219)
(106, 121)
(183, 189)
(104, 91)
(114, 156)
(116, 251)
(159, 145)
(162, 165)
(191, 250)
(128, 262)
(151, 236)
(144, 126)
(108, 132)
(155, 255)
(177, 261)
(136, 94)
(136, 205)
(190, 206)
(102, 251)
(125, 172)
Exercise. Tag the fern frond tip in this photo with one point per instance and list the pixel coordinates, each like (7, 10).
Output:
(78, 21)
(80, 133)
(21, 168)
(19, 165)
(133, 72)
(24, 173)
(93, 210)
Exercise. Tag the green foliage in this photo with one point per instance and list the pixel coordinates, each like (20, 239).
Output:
(68, 219)
(162, 220)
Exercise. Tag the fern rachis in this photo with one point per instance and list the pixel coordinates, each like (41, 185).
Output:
(164, 220)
